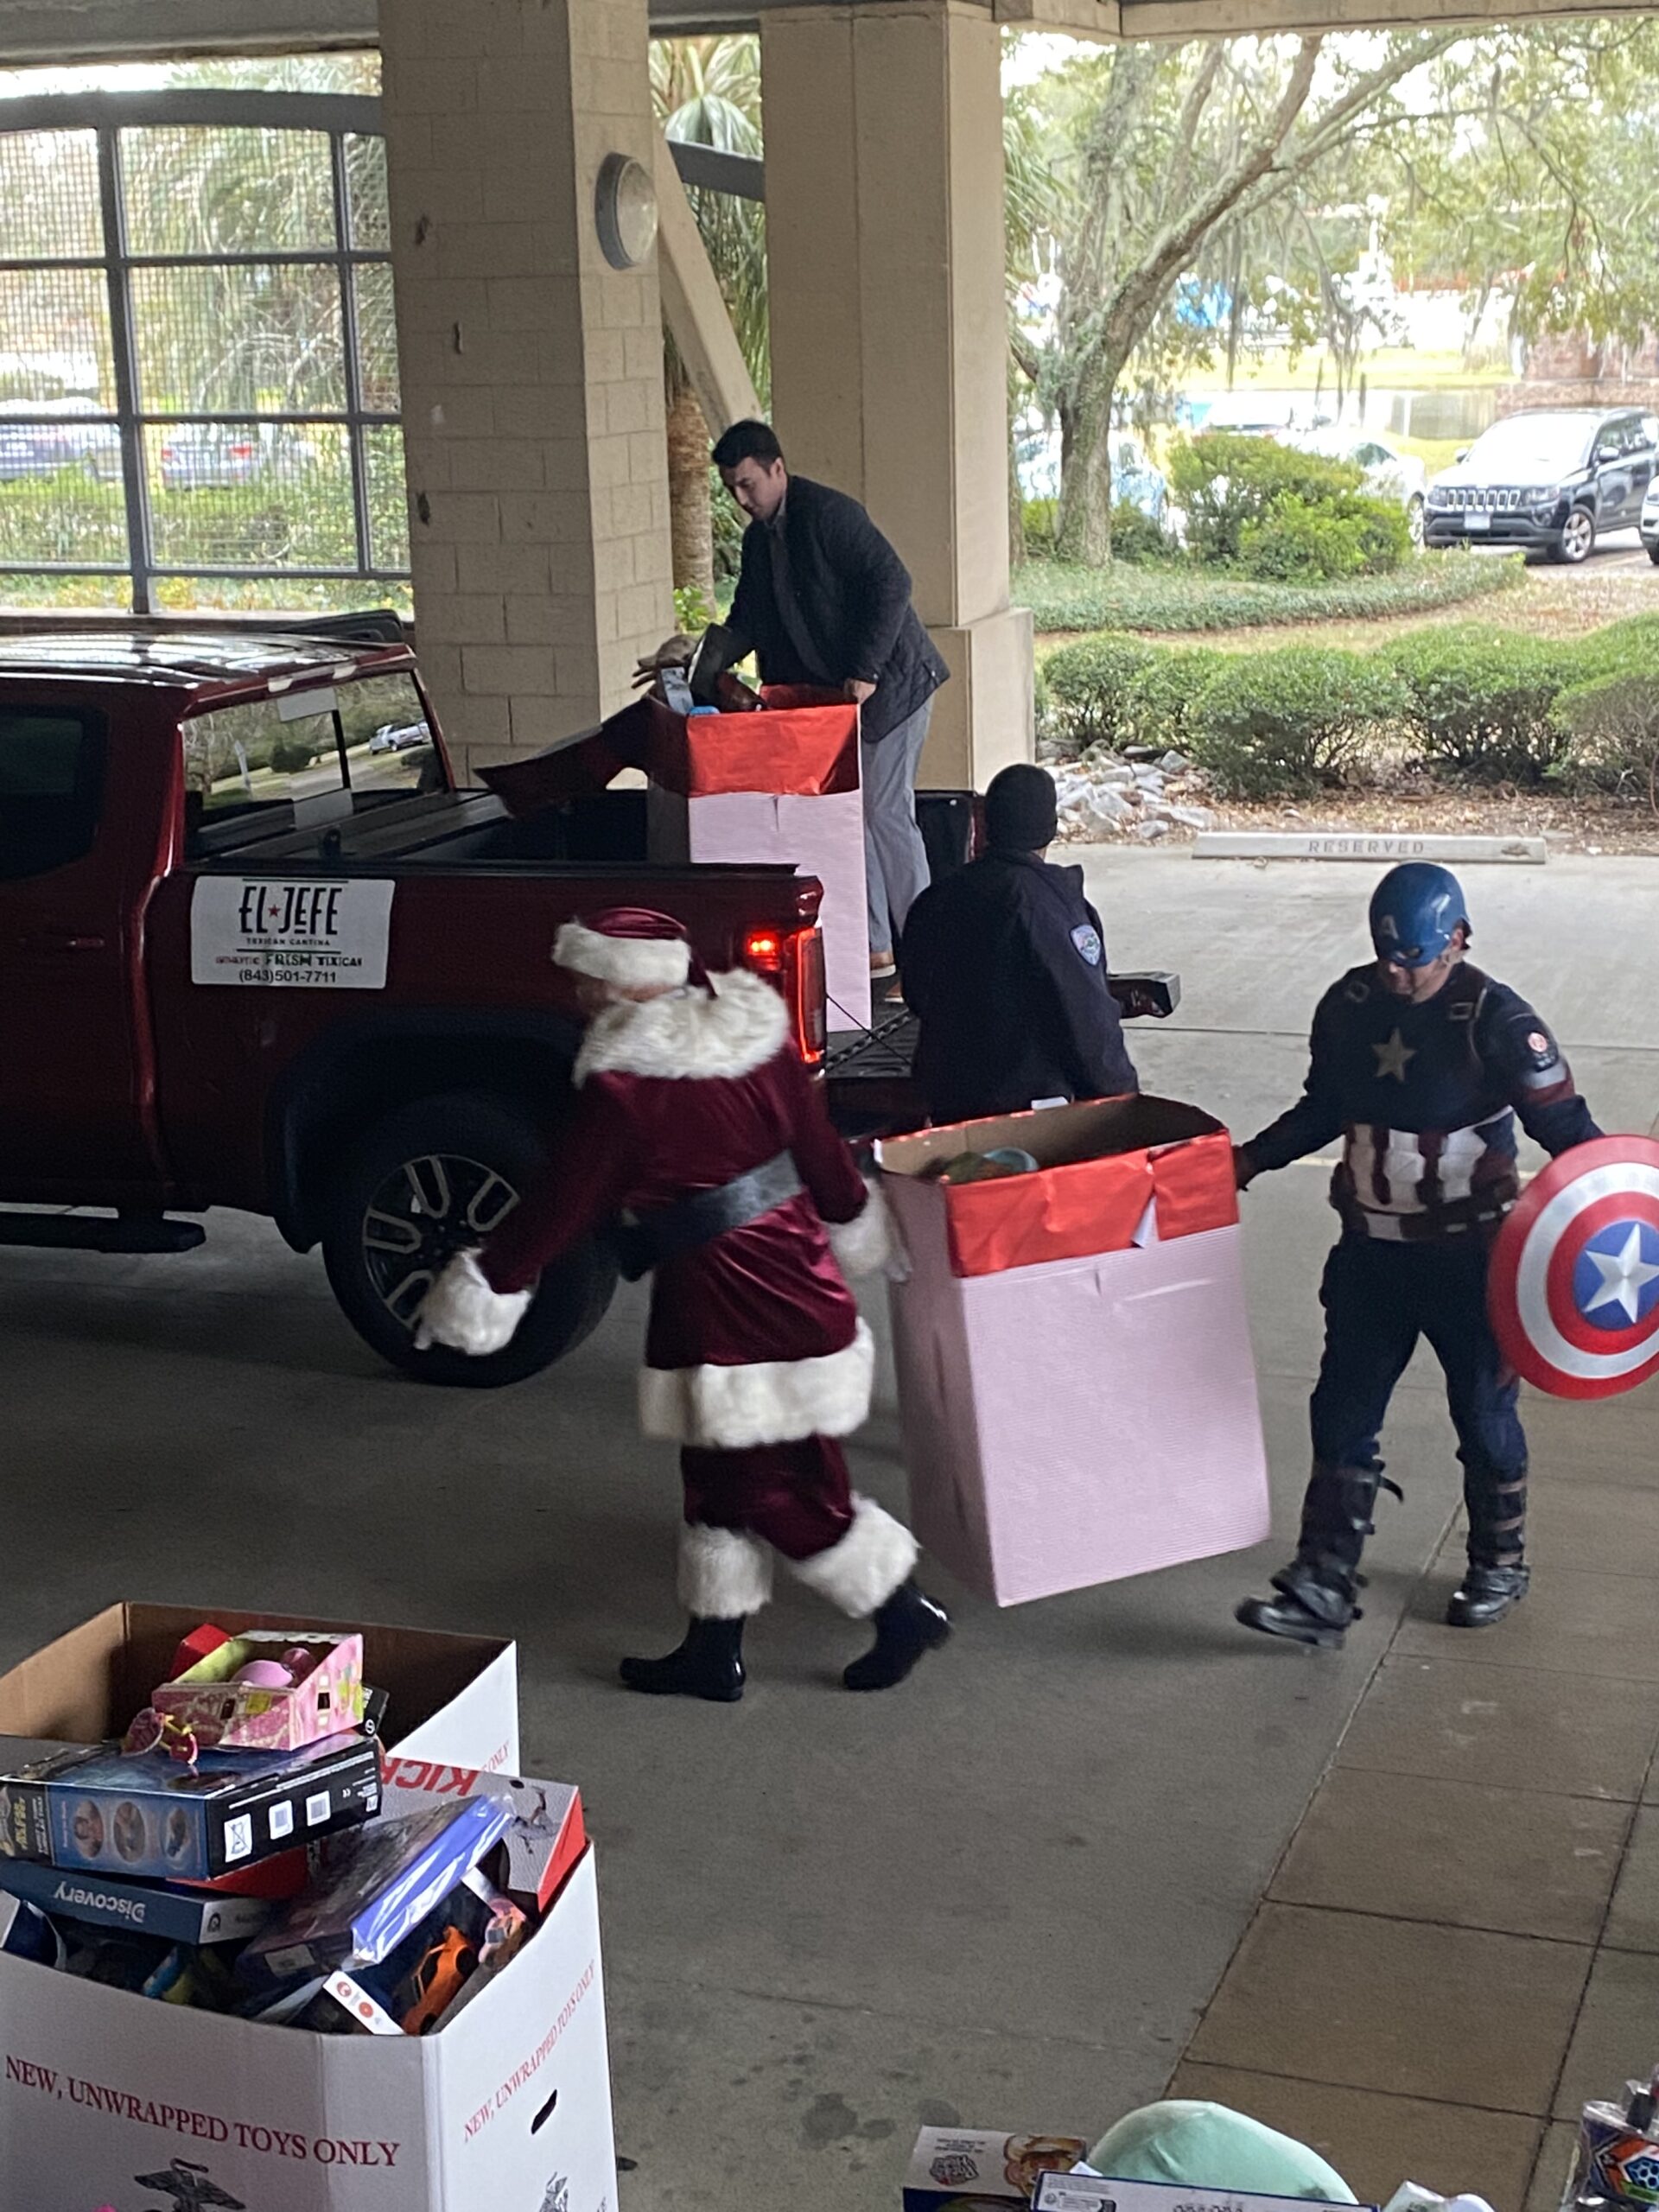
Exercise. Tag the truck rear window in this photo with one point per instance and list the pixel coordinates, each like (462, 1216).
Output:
(51, 781)
(364, 739)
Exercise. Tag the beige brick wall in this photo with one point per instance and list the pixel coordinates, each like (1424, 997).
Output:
(531, 371)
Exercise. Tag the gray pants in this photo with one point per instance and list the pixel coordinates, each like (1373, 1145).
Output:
(895, 859)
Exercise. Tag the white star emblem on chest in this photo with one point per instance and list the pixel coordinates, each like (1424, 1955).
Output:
(1391, 1058)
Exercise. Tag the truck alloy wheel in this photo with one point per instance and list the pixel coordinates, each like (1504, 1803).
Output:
(432, 1180)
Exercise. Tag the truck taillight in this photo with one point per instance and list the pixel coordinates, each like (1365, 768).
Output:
(794, 960)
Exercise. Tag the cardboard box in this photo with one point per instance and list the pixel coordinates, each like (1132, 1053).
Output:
(1076, 1378)
(450, 1697)
(1090, 2193)
(99, 1809)
(146, 1908)
(781, 787)
(104, 2095)
(979, 2168)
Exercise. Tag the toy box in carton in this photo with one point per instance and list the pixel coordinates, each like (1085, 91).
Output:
(99, 1809)
(546, 1835)
(1076, 1379)
(324, 1697)
(1066, 2192)
(976, 2168)
(178, 1916)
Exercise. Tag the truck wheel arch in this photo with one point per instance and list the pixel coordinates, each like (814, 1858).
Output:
(355, 1075)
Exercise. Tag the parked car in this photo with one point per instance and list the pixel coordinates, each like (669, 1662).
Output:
(1399, 478)
(209, 456)
(1552, 479)
(1648, 524)
(1137, 481)
(399, 737)
(41, 437)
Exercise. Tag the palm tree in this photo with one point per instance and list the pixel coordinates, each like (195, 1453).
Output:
(706, 91)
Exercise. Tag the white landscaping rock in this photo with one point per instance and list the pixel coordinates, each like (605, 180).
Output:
(1150, 831)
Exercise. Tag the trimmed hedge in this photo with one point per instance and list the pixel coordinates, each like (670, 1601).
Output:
(1230, 486)
(1320, 540)
(1293, 721)
(1062, 597)
(1472, 703)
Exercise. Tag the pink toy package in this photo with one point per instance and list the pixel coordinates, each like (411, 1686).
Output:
(266, 1690)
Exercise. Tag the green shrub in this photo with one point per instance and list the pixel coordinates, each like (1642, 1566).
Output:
(1138, 539)
(290, 753)
(1290, 721)
(1483, 702)
(1308, 541)
(1088, 686)
(1063, 597)
(1612, 724)
(1226, 484)
(1036, 521)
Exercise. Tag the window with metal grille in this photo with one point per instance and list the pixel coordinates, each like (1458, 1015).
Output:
(198, 401)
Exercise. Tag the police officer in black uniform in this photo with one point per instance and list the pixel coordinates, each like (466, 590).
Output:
(1421, 1063)
(1004, 963)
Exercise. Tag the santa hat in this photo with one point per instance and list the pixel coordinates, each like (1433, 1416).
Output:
(631, 947)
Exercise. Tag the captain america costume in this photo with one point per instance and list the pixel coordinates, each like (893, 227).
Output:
(1424, 1097)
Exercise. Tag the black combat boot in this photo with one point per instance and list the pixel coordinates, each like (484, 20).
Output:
(1316, 1600)
(708, 1663)
(1495, 1581)
(1485, 1595)
(909, 1625)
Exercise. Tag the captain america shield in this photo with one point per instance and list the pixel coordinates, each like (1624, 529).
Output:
(1573, 1287)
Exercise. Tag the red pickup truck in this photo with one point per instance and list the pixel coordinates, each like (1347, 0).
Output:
(257, 950)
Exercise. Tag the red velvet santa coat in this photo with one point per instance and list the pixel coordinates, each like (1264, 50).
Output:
(754, 1338)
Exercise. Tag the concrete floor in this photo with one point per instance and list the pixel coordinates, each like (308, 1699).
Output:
(1003, 1894)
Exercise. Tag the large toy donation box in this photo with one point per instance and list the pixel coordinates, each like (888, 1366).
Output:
(779, 785)
(114, 2100)
(1074, 1371)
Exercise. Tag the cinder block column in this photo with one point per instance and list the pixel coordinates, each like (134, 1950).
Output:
(889, 351)
(532, 372)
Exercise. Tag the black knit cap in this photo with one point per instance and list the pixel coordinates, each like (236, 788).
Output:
(1020, 810)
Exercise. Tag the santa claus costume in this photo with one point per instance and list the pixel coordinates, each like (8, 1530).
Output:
(697, 1123)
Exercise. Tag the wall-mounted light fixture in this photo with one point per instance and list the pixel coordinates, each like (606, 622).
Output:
(625, 211)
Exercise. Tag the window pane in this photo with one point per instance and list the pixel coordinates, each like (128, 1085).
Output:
(111, 593)
(194, 189)
(51, 770)
(250, 495)
(55, 507)
(49, 194)
(246, 756)
(55, 337)
(388, 505)
(296, 594)
(366, 173)
(260, 337)
(387, 741)
(377, 339)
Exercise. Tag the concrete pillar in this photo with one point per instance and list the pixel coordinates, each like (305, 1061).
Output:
(532, 371)
(889, 351)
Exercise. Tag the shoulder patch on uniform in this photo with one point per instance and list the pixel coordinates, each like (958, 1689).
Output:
(1086, 938)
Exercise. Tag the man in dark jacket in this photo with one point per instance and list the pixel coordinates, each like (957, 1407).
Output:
(823, 599)
(1005, 965)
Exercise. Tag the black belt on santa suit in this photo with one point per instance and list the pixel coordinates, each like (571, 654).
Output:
(644, 1241)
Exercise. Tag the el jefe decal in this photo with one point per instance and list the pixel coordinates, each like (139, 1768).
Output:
(322, 934)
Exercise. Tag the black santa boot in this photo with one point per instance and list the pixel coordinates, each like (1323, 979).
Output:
(1316, 1601)
(907, 1627)
(708, 1663)
(725, 1575)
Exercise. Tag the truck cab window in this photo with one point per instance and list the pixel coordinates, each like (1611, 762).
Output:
(51, 782)
(370, 740)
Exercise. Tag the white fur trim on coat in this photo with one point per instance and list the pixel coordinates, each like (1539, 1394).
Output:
(461, 1311)
(860, 1572)
(724, 1575)
(764, 1402)
(635, 963)
(689, 1033)
(866, 1245)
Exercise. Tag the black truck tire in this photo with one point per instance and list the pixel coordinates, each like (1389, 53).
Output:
(431, 1179)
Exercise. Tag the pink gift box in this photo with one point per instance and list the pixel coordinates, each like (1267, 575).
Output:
(1084, 1418)
(227, 1715)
